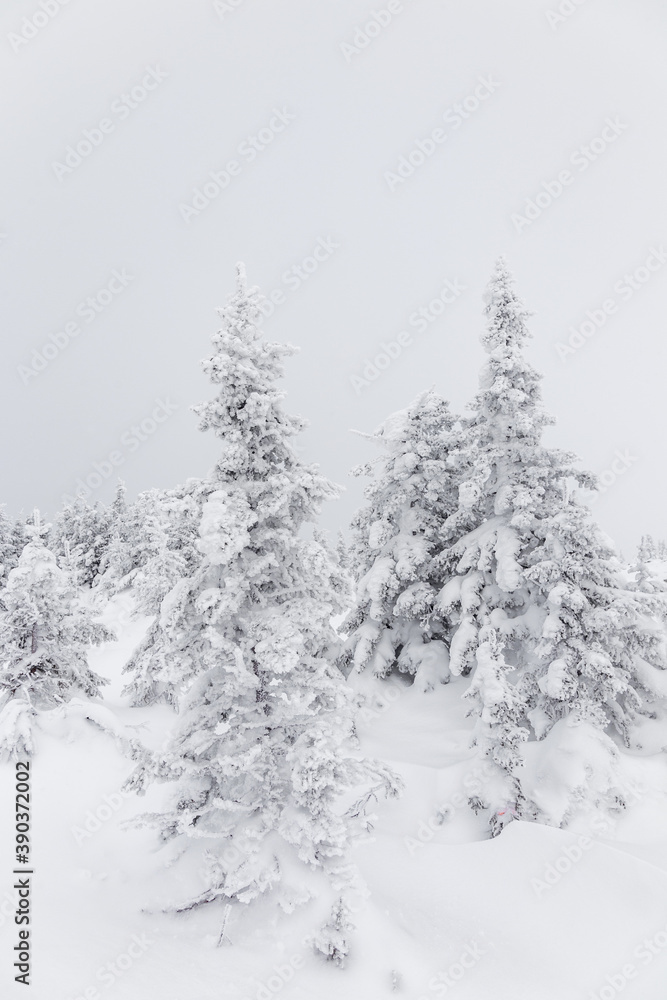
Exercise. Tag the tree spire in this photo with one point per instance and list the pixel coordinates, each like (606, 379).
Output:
(241, 278)
(509, 402)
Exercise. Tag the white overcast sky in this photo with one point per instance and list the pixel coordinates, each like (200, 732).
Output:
(324, 178)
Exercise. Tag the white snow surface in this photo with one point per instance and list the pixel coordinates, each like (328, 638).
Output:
(536, 914)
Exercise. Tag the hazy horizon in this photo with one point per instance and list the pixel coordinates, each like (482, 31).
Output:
(396, 166)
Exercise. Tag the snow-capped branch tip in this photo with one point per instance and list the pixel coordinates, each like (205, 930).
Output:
(502, 268)
(241, 278)
(35, 530)
(501, 281)
(363, 434)
(506, 313)
(501, 288)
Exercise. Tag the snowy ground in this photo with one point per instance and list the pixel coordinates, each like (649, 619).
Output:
(536, 914)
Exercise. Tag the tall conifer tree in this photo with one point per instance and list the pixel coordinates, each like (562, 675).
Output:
(263, 759)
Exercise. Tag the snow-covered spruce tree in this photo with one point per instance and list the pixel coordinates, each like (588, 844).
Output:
(163, 664)
(162, 569)
(89, 533)
(115, 566)
(647, 549)
(116, 560)
(396, 539)
(127, 548)
(146, 510)
(183, 509)
(147, 548)
(498, 731)
(44, 638)
(513, 480)
(650, 566)
(165, 661)
(584, 645)
(12, 540)
(270, 790)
